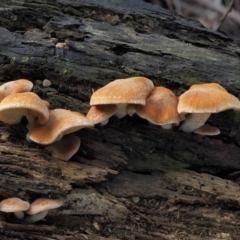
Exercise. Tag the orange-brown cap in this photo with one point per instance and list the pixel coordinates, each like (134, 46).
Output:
(207, 130)
(207, 85)
(65, 148)
(101, 113)
(16, 86)
(39, 209)
(13, 205)
(60, 123)
(28, 104)
(46, 83)
(123, 91)
(160, 108)
(207, 98)
(43, 204)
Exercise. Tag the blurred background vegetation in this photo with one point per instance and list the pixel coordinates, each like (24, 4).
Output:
(222, 15)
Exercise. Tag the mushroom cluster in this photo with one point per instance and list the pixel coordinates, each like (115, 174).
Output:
(114, 98)
(53, 128)
(135, 95)
(160, 106)
(200, 101)
(36, 211)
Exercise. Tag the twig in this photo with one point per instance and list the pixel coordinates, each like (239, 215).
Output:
(235, 16)
(177, 5)
(225, 14)
(169, 5)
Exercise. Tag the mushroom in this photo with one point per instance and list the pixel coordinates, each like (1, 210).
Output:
(15, 205)
(28, 104)
(40, 207)
(46, 83)
(65, 148)
(16, 86)
(122, 92)
(101, 113)
(61, 122)
(207, 130)
(160, 108)
(200, 101)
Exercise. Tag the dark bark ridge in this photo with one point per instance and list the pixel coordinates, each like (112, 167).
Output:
(129, 180)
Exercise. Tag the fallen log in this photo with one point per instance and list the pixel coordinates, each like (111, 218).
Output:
(129, 180)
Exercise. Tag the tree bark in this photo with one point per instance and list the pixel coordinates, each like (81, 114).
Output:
(129, 180)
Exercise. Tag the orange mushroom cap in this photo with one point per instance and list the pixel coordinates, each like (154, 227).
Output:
(208, 85)
(40, 207)
(123, 91)
(65, 148)
(207, 130)
(43, 204)
(46, 83)
(160, 108)
(60, 123)
(15, 205)
(207, 98)
(16, 86)
(101, 113)
(28, 104)
(201, 100)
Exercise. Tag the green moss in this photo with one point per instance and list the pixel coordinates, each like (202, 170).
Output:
(13, 59)
(78, 45)
(57, 100)
(64, 71)
(111, 63)
(60, 101)
(121, 208)
(130, 71)
(25, 59)
(168, 50)
(236, 85)
(180, 91)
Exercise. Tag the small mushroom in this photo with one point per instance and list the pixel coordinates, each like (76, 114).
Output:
(122, 92)
(46, 83)
(101, 113)
(61, 122)
(65, 148)
(200, 101)
(15, 205)
(16, 86)
(160, 108)
(207, 130)
(40, 207)
(28, 104)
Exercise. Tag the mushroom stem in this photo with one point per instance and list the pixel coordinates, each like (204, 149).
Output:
(131, 109)
(31, 119)
(19, 214)
(194, 121)
(36, 217)
(103, 123)
(121, 111)
(167, 126)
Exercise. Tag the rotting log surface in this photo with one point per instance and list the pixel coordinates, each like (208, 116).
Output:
(129, 180)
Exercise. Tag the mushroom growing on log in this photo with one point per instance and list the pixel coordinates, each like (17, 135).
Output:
(131, 179)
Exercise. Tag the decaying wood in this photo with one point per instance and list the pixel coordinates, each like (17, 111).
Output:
(129, 180)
